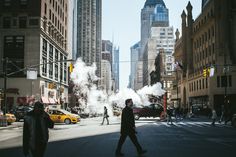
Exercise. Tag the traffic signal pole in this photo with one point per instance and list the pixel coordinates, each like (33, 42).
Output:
(5, 86)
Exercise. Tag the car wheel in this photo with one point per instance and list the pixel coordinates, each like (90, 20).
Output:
(67, 121)
(136, 116)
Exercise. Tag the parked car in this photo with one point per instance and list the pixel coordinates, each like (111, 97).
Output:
(10, 117)
(21, 111)
(63, 116)
(153, 110)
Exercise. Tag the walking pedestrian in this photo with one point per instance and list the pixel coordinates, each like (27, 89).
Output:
(105, 116)
(214, 116)
(35, 131)
(222, 114)
(128, 129)
(169, 115)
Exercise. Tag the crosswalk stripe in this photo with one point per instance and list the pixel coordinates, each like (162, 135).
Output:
(191, 124)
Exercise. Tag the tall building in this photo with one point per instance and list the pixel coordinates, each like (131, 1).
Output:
(74, 28)
(106, 65)
(211, 46)
(134, 56)
(34, 33)
(89, 32)
(106, 79)
(116, 68)
(151, 7)
(107, 50)
(153, 14)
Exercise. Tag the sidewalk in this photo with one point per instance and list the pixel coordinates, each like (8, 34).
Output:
(13, 125)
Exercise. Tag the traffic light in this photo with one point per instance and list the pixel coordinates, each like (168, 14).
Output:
(71, 68)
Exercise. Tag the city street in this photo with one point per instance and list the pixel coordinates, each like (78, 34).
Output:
(186, 138)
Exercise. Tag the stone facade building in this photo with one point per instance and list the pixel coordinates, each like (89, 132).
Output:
(208, 41)
(33, 34)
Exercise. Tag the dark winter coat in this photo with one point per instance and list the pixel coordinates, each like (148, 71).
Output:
(127, 121)
(105, 115)
(29, 130)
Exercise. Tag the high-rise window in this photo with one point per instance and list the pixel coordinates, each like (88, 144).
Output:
(6, 22)
(22, 22)
(23, 2)
(14, 50)
(44, 58)
(45, 9)
(230, 81)
(223, 81)
(7, 3)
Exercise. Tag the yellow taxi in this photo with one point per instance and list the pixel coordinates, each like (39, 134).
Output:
(10, 117)
(63, 116)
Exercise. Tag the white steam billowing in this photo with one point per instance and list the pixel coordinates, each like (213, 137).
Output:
(92, 100)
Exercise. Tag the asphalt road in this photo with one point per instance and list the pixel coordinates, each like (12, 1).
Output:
(89, 139)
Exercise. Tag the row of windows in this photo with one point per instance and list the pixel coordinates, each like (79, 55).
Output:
(202, 39)
(54, 3)
(58, 9)
(50, 55)
(8, 3)
(204, 53)
(198, 85)
(209, 15)
(224, 81)
(19, 22)
(14, 50)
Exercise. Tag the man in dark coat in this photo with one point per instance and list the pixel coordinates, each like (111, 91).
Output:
(35, 131)
(105, 116)
(128, 129)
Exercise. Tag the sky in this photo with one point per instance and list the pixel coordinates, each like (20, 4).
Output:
(121, 25)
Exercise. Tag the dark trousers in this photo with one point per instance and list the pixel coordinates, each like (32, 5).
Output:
(38, 151)
(104, 119)
(133, 139)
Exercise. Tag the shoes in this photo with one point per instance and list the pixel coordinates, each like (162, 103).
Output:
(119, 154)
(142, 152)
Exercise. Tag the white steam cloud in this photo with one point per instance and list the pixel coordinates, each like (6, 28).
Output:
(92, 100)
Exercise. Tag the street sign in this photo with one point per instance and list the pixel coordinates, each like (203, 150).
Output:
(32, 74)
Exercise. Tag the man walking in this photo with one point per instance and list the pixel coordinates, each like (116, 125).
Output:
(105, 116)
(35, 131)
(128, 129)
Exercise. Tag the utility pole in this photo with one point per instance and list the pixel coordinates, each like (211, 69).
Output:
(5, 86)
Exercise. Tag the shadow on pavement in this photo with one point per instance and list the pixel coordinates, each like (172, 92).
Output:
(157, 141)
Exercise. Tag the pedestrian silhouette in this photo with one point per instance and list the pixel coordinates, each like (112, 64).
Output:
(222, 114)
(105, 116)
(35, 131)
(128, 129)
(214, 116)
(169, 115)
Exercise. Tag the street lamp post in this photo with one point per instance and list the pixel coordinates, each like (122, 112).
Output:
(5, 86)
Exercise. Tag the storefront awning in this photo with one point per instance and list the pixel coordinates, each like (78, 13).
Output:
(45, 100)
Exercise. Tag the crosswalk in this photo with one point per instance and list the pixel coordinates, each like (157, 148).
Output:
(191, 124)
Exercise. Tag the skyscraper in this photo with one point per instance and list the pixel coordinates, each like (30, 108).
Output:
(134, 56)
(89, 32)
(116, 68)
(148, 15)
